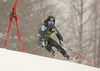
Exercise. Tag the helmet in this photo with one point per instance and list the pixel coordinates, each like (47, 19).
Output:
(50, 19)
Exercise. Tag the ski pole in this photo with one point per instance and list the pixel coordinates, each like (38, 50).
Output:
(33, 49)
(77, 54)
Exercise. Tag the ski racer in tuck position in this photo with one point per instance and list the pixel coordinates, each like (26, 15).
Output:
(44, 39)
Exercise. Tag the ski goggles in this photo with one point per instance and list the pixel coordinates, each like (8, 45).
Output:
(51, 22)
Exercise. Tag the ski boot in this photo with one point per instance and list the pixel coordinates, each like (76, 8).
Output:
(68, 57)
(53, 52)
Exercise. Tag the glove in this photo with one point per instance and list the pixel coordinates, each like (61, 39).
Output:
(61, 43)
(44, 42)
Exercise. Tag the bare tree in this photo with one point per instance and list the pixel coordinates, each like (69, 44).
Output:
(83, 16)
(96, 33)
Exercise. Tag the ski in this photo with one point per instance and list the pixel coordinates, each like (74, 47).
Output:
(72, 58)
(75, 58)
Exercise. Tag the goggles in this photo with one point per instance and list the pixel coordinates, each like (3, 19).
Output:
(51, 22)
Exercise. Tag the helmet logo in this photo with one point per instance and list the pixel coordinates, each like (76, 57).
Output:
(51, 19)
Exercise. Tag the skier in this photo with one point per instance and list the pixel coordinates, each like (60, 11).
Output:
(44, 39)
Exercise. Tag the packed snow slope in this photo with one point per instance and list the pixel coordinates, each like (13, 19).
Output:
(18, 61)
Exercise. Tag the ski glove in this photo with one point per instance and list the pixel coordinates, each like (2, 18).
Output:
(44, 42)
(61, 43)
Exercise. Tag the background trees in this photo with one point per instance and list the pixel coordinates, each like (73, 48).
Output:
(77, 20)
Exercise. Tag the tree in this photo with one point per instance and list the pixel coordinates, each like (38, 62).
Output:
(83, 11)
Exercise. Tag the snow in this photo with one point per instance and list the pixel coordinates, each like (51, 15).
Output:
(16, 37)
(2, 35)
(18, 61)
(5, 0)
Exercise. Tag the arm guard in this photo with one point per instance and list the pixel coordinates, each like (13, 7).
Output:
(58, 34)
(42, 32)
